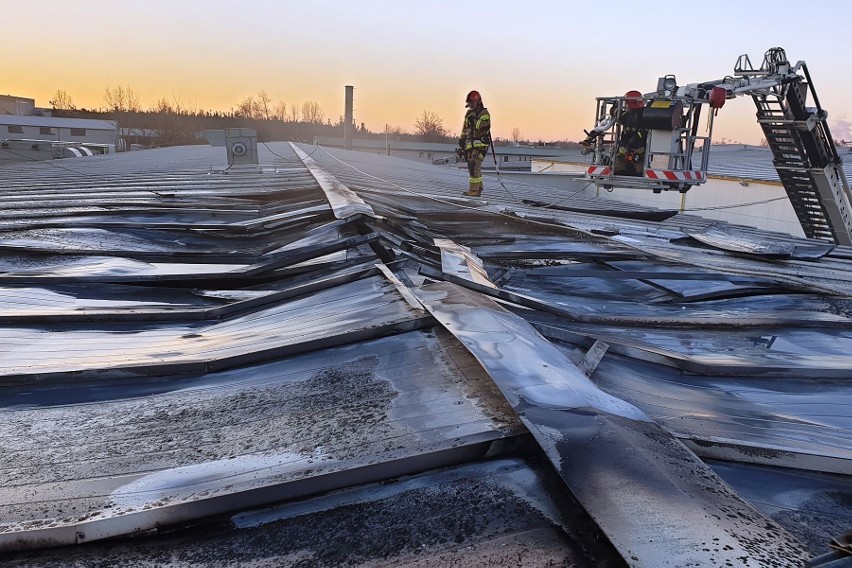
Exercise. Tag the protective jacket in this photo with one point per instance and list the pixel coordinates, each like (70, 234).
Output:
(632, 137)
(476, 131)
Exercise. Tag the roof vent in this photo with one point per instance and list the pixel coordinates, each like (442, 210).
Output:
(240, 143)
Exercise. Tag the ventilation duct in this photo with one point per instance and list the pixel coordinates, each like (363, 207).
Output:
(240, 144)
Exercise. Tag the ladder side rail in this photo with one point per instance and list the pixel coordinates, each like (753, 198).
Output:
(819, 150)
(835, 203)
(826, 137)
(826, 172)
(775, 115)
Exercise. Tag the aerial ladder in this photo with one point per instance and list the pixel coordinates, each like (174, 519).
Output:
(676, 155)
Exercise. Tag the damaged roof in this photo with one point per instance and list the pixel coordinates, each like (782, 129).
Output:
(334, 358)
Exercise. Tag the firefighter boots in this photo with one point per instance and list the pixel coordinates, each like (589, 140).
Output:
(475, 190)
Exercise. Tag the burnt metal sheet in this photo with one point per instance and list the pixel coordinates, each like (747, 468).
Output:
(100, 459)
(653, 498)
(624, 305)
(94, 268)
(501, 512)
(369, 306)
(695, 284)
(779, 366)
(187, 242)
(622, 212)
(816, 505)
(803, 423)
(128, 216)
(755, 351)
(736, 241)
(590, 312)
(126, 303)
(459, 261)
(344, 202)
(552, 248)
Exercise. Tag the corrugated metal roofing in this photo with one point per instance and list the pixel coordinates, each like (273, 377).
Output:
(184, 341)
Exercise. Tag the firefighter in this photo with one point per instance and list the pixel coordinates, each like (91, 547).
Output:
(630, 153)
(630, 158)
(474, 141)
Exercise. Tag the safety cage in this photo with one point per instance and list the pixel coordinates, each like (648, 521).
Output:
(670, 129)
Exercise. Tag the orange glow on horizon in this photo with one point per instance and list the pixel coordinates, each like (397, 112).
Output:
(539, 69)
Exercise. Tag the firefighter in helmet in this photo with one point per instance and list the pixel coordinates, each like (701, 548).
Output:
(630, 152)
(474, 140)
(630, 158)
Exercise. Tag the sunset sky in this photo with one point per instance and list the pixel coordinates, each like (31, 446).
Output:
(538, 64)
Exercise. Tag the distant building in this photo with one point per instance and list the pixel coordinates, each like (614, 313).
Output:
(18, 106)
(36, 138)
(59, 129)
(516, 158)
(31, 133)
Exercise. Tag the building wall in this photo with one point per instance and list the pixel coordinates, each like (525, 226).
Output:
(54, 133)
(19, 106)
(37, 138)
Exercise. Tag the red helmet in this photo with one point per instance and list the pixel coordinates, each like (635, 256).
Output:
(473, 97)
(634, 100)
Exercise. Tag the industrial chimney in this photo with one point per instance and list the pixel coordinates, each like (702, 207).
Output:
(348, 121)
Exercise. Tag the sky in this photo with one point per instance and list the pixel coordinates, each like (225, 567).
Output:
(539, 64)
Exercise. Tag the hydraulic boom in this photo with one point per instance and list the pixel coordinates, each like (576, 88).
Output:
(804, 153)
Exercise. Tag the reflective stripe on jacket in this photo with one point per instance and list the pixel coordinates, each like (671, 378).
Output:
(476, 131)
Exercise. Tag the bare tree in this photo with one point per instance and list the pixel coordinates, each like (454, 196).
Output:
(516, 135)
(114, 98)
(163, 107)
(121, 99)
(294, 113)
(62, 101)
(179, 107)
(280, 112)
(164, 124)
(312, 113)
(430, 126)
(262, 106)
(133, 104)
(172, 122)
(246, 108)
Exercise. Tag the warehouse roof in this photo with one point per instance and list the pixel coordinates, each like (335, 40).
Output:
(307, 356)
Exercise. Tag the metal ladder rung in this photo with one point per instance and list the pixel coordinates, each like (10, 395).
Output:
(793, 155)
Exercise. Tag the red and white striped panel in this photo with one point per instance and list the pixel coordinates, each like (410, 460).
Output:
(598, 171)
(676, 175)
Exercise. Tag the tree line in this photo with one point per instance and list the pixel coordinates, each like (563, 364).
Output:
(123, 99)
(176, 122)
